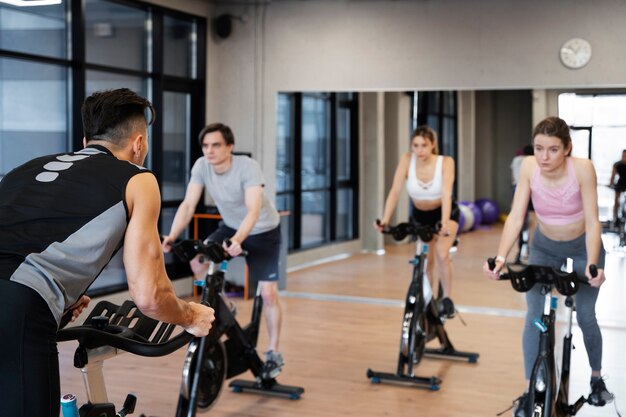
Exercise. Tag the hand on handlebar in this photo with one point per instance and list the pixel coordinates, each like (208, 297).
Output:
(444, 230)
(379, 225)
(595, 279)
(232, 247)
(202, 320)
(493, 266)
(78, 307)
(166, 243)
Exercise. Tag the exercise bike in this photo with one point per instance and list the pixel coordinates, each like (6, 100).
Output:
(110, 329)
(619, 223)
(421, 321)
(545, 399)
(210, 360)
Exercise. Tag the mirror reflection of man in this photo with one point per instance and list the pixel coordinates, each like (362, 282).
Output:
(619, 171)
(249, 222)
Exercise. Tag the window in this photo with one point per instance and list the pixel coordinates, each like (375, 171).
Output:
(180, 47)
(316, 168)
(116, 35)
(598, 130)
(33, 111)
(38, 30)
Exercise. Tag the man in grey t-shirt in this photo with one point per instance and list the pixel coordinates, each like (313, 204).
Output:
(250, 221)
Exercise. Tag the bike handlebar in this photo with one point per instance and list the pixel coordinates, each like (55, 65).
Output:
(400, 231)
(524, 277)
(110, 325)
(189, 248)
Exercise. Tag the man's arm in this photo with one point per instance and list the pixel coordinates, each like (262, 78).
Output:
(253, 200)
(184, 214)
(148, 283)
(613, 173)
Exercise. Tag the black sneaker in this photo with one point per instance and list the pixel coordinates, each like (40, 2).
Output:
(446, 308)
(599, 396)
(273, 365)
(520, 405)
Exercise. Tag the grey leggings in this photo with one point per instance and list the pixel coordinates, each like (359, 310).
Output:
(553, 253)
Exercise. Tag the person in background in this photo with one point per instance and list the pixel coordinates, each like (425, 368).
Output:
(619, 171)
(525, 235)
(564, 194)
(249, 222)
(429, 179)
(62, 218)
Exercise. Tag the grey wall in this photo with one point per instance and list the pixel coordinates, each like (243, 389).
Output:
(503, 125)
(401, 45)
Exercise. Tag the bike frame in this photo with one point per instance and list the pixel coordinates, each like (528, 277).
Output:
(544, 400)
(542, 386)
(421, 321)
(415, 304)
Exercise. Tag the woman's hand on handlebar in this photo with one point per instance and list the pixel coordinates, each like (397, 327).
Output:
(232, 247)
(165, 243)
(596, 281)
(445, 229)
(202, 320)
(380, 225)
(493, 266)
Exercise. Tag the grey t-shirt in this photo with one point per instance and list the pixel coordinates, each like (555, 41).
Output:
(228, 191)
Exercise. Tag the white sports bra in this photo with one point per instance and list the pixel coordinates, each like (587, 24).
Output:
(431, 190)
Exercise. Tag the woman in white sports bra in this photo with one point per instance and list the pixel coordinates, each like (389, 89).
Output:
(429, 179)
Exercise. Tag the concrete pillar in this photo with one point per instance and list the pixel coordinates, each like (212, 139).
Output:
(466, 161)
(372, 167)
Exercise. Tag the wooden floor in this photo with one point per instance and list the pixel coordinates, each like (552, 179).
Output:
(342, 318)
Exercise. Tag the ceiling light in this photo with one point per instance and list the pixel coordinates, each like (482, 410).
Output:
(28, 3)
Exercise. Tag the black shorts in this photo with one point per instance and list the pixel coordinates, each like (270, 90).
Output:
(263, 251)
(431, 217)
(620, 188)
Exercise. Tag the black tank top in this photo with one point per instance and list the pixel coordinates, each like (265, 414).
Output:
(620, 167)
(62, 218)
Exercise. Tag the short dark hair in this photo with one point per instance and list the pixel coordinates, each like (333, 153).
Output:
(112, 115)
(226, 132)
(554, 126)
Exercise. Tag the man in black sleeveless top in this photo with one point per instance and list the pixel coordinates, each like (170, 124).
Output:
(62, 218)
(619, 171)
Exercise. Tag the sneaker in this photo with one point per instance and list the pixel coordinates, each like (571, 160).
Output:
(520, 405)
(599, 396)
(446, 308)
(273, 365)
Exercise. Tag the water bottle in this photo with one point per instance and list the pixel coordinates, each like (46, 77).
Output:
(69, 407)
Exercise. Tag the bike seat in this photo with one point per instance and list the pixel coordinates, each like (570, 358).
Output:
(125, 327)
(524, 277)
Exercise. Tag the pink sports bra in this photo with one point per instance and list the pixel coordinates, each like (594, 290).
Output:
(419, 190)
(557, 205)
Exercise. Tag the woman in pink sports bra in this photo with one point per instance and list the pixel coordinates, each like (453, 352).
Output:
(429, 179)
(564, 195)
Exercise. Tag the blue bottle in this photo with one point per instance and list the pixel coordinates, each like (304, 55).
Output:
(69, 408)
